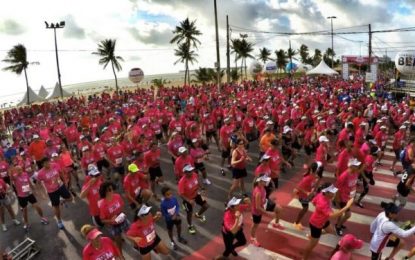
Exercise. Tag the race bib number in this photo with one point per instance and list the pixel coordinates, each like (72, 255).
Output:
(171, 211)
(3, 174)
(118, 161)
(137, 191)
(120, 218)
(26, 188)
(179, 128)
(150, 237)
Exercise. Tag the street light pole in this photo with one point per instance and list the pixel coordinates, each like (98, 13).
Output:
(332, 48)
(60, 25)
(217, 47)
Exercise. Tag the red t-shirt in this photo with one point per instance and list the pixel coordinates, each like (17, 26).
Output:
(306, 184)
(263, 169)
(146, 232)
(188, 187)
(93, 195)
(99, 151)
(50, 178)
(346, 184)
(132, 184)
(108, 250)
(4, 167)
(180, 162)
(274, 162)
(229, 217)
(115, 154)
(322, 212)
(152, 158)
(109, 209)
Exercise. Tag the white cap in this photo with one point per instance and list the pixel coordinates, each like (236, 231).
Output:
(144, 210)
(93, 171)
(92, 167)
(373, 141)
(54, 155)
(22, 153)
(303, 118)
(402, 127)
(85, 148)
(96, 139)
(264, 178)
(354, 162)
(194, 140)
(265, 157)
(383, 127)
(35, 136)
(269, 122)
(286, 129)
(233, 202)
(330, 189)
(182, 149)
(226, 119)
(323, 138)
(379, 121)
(331, 112)
(81, 137)
(407, 122)
(266, 117)
(363, 123)
(188, 168)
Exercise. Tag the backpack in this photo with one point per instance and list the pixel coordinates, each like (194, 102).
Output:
(403, 156)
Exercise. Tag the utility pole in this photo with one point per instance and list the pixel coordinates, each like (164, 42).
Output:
(228, 54)
(54, 27)
(217, 48)
(370, 47)
(332, 47)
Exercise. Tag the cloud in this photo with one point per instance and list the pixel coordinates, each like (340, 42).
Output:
(11, 27)
(159, 36)
(72, 29)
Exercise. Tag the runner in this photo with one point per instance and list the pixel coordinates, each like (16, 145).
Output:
(90, 190)
(239, 160)
(404, 187)
(152, 161)
(98, 247)
(143, 234)
(5, 203)
(199, 155)
(188, 189)
(135, 187)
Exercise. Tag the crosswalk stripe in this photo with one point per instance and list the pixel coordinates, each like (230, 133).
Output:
(253, 252)
(331, 240)
(381, 184)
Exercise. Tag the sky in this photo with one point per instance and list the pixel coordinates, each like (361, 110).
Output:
(143, 29)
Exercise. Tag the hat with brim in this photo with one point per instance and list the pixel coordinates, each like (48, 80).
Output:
(402, 127)
(269, 122)
(133, 168)
(233, 202)
(323, 138)
(93, 234)
(144, 210)
(263, 178)
(94, 172)
(85, 148)
(330, 189)
(286, 129)
(354, 162)
(35, 136)
(96, 139)
(265, 157)
(182, 149)
(54, 155)
(188, 168)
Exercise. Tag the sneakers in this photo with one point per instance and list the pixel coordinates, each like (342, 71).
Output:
(206, 181)
(4, 227)
(26, 227)
(255, 242)
(173, 245)
(278, 226)
(339, 231)
(192, 230)
(60, 225)
(44, 221)
(222, 171)
(359, 204)
(202, 218)
(16, 222)
(298, 226)
(182, 240)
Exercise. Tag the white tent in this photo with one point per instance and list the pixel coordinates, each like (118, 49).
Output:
(322, 68)
(56, 93)
(43, 92)
(33, 97)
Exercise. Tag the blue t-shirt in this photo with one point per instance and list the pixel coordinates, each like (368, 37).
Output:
(169, 208)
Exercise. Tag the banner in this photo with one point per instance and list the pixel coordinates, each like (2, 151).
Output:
(359, 59)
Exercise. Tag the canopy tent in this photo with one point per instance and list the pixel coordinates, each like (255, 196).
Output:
(56, 93)
(43, 93)
(322, 68)
(33, 97)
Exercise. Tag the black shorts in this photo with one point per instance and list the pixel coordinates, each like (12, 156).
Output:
(102, 164)
(210, 134)
(119, 169)
(165, 127)
(315, 231)
(155, 173)
(343, 204)
(256, 219)
(159, 136)
(270, 207)
(226, 153)
(251, 136)
(172, 222)
(148, 249)
(56, 195)
(397, 154)
(23, 201)
(304, 203)
(239, 173)
(200, 167)
(198, 200)
(391, 243)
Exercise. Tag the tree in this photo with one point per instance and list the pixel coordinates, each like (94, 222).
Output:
(236, 49)
(185, 55)
(316, 57)
(158, 82)
(291, 53)
(202, 75)
(246, 48)
(186, 32)
(304, 54)
(234, 74)
(17, 57)
(264, 55)
(106, 50)
(281, 59)
(328, 56)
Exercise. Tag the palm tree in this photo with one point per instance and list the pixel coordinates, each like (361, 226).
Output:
(264, 55)
(281, 59)
(186, 32)
(234, 74)
(106, 50)
(236, 49)
(202, 75)
(158, 82)
(304, 54)
(329, 55)
(185, 55)
(291, 53)
(246, 49)
(317, 57)
(17, 57)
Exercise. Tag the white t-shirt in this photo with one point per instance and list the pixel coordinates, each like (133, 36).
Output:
(382, 228)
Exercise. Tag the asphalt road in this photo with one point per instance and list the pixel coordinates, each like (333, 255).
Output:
(68, 243)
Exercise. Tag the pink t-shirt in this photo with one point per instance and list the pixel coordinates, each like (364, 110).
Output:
(50, 178)
(341, 255)
(346, 184)
(109, 209)
(22, 184)
(261, 191)
(197, 154)
(306, 184)
(323, 210)
(108, 251)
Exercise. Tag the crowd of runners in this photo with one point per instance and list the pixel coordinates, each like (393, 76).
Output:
(106, 149)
